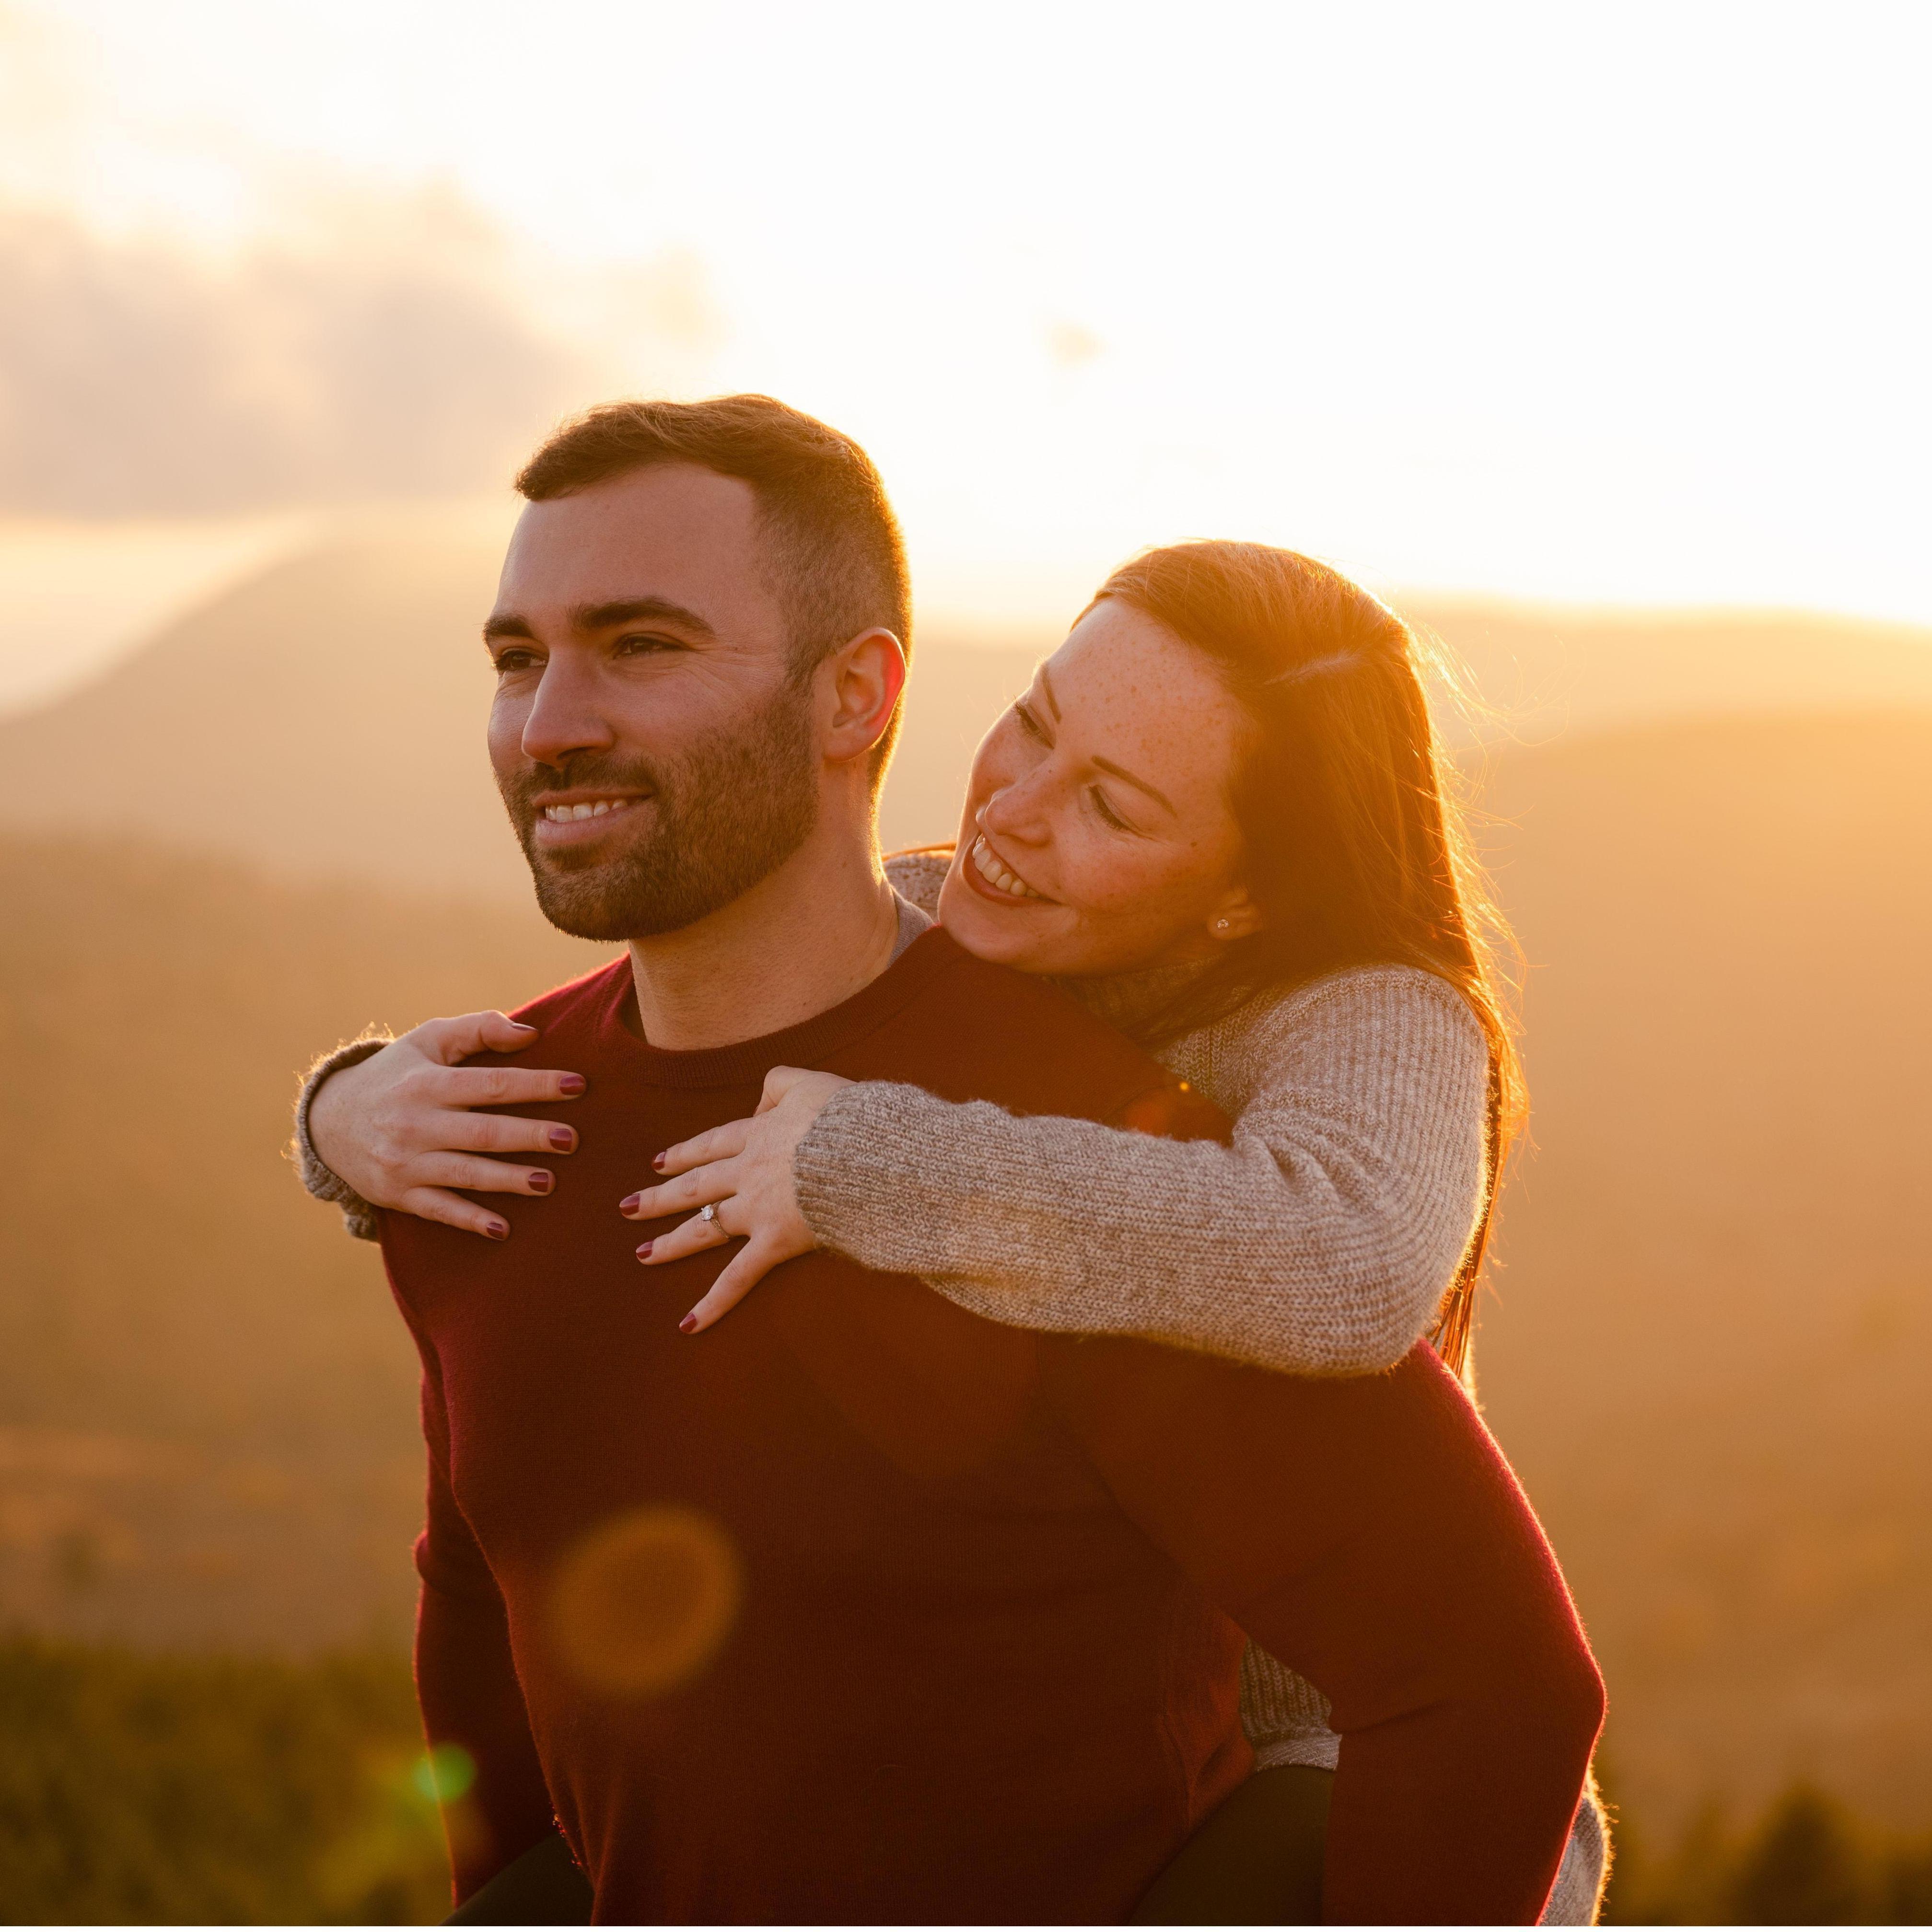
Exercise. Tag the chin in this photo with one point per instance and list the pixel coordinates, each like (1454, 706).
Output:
(985, 932)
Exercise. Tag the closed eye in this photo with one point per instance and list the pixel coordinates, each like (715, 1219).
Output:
(1029, 723)
(1108, 815)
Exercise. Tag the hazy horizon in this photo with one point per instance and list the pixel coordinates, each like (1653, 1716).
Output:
(78, 598)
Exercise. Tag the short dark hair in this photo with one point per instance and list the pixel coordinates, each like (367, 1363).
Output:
(837, 560)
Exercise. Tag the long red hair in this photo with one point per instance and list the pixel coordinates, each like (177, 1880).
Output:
(1354, 844)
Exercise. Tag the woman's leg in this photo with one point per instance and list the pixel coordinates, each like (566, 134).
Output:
(1256, 1861)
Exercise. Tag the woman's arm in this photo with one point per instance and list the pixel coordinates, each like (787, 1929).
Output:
(1319, 1243)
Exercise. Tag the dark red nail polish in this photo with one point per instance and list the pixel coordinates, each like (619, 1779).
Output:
(644, 1253)
(498, 1231)
(629, 1201)
(657, 1162)
(563, 1139)
(541, 1182)
(572, 1083)
(689, 1322)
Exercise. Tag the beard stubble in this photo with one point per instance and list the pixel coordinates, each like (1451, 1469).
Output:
(724, 816)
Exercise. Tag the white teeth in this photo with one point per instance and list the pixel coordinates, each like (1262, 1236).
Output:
(566, 814)
(995, 874)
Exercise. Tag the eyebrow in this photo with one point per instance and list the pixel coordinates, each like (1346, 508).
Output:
(1107, 764)
(589, 617)
(1139, 784)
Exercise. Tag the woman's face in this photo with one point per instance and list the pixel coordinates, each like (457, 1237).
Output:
(1097, 836)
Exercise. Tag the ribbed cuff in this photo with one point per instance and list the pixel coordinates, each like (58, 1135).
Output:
(321, 1180)
(839, 1167)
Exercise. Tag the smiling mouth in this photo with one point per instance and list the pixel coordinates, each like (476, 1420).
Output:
(1000, 876)
(601, 807)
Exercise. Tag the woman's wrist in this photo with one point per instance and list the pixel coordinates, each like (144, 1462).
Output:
(858, 1135)
(314, 1170)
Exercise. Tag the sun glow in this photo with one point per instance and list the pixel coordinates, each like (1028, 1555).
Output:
(1563, 303)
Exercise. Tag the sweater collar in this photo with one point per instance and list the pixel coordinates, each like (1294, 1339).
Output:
(808, 1044)
(1126, 1001)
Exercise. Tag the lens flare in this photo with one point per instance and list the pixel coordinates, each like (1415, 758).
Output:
(644, 1601)
(444, 1773)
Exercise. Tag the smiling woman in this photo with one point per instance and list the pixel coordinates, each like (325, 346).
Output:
(1222, 806)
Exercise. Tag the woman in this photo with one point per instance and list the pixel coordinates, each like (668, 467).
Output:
(1219, 817)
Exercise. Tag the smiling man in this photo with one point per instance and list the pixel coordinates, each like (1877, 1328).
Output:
(862, 1608)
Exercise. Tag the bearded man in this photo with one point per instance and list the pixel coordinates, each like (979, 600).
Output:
(864, 1608)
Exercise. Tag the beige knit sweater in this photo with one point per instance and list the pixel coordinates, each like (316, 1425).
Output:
(1320, 1242)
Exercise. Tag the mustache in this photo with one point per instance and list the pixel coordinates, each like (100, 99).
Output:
(521, 788)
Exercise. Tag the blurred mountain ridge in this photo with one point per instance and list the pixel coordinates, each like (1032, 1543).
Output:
(324, 718)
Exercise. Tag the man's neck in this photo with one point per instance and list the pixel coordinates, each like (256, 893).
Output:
(805, 937)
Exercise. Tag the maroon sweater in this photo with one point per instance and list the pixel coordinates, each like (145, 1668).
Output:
(860, 1608)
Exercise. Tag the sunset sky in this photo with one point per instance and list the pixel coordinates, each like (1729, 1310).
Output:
(1625, 304)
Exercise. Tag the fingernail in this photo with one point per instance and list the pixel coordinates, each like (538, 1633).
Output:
(563, 1139)
(542, 1181)
(497, 1231)
(629, 1201)
(523, 1026)
(689, 1322)
(657, 1162)
(644, 1253)
(572, 1083)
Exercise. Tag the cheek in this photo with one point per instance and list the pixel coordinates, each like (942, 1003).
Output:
(1126, 878)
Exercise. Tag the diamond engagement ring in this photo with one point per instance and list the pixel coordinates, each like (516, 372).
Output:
(710, 1214)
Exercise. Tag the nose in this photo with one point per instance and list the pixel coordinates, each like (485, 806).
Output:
(1019, 814)
(566, 717)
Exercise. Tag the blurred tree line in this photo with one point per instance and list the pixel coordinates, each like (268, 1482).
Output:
(145, 1788)
(1806, 1860)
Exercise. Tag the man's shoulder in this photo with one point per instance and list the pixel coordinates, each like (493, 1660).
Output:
(982, 1031)
(587, 995)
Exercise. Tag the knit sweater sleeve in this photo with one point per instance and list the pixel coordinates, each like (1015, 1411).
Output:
(315, 1174)
(1319, 1243)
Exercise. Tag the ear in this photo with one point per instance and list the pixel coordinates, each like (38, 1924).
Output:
(863, 680)
(1234, 916)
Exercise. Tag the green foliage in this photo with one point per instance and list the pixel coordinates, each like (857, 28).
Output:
(146, 1788)
(166, 1789)
(1807, 1861)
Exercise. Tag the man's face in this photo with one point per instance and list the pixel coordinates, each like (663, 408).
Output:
(650, 740)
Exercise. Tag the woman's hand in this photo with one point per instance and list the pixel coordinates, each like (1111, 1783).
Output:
(397, 1130)
(745, 1167)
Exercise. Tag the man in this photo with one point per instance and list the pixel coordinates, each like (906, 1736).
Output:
(859, 1608)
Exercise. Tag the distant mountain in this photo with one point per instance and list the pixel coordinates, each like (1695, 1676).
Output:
(326, 717)
(1706, 1350)
(1547, 669)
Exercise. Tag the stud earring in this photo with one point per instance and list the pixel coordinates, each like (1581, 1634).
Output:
(1220, 926)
